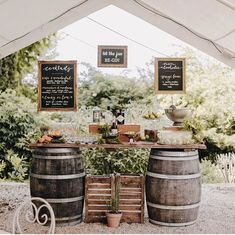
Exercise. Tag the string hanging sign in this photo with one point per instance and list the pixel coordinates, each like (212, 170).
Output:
(112, 56)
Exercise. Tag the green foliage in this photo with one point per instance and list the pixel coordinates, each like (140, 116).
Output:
(19, 166)
(19, 122)
(104, 129)
(79, 120)
(210, 172)
(15, 66)
(27, 91)
(19, 126)
(103, 161)
(98, 89)
(113, 204)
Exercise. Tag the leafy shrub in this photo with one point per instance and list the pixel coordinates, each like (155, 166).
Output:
(210, 172)
(19, 166)
(19, 126)
(103, 161)
(97, 88)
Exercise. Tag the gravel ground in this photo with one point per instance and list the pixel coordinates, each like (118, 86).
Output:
(217, 213)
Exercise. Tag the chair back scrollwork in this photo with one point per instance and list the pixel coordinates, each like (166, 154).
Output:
(34, 210)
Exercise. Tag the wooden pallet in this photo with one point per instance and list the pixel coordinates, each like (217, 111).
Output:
(99, 189)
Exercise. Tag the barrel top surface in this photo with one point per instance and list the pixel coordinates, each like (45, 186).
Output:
(139, 144)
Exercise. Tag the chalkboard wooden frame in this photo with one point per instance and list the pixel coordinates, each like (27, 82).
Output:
(157, 89)
(74, 63)
(100, 64)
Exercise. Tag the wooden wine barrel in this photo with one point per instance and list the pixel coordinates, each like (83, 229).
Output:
(57, 175)
(173, 187)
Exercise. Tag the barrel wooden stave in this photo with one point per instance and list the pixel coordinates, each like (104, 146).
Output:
(176, 193)
(50, 188)
(173, 187)
(173, 217)
(57, 175)
(174, 167)
(64, 167)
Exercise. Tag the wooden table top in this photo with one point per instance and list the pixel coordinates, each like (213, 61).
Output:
(139, 144)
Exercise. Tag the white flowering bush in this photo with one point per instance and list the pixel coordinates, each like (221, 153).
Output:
(210, 172)
(226, 164)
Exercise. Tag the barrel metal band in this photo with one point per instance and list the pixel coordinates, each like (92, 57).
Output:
(57, 177)
(180, 177)
(165, 207)
(171, 224)
(69, 218)
(173, 154)
(64, 200)
(56, 157)
(57, 150)
(174, 158)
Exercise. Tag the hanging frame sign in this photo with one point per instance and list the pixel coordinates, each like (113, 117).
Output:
(112, 56)
(57, 85)
(169, 76)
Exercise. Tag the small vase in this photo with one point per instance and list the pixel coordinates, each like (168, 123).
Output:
(113, 220)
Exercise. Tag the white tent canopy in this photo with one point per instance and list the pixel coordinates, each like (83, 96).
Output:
(208, 25)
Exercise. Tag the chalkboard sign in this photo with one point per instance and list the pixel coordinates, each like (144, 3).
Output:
(169, 75)
(112, 56)
(57, 86)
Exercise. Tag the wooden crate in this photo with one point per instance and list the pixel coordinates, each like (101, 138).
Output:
(93, 128)
(125, 128)
(99, 189)
(132, 198)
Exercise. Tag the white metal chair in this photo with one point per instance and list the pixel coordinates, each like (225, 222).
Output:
(32, 215)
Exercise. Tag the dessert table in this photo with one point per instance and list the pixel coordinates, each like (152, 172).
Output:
(139, 144)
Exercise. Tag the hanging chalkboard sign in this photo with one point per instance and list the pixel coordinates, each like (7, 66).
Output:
(57, 86)
(170, 75)
(112, 56)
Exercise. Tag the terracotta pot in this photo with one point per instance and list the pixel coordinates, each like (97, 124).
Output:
(113, 220)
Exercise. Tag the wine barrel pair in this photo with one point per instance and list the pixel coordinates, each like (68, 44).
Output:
(57, 175)
(173, 187)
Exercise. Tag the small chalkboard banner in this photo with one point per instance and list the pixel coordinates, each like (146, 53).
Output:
(169, 76)
(57, 85)
(112, 56)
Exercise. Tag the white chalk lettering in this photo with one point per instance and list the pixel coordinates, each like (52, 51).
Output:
(65, 68)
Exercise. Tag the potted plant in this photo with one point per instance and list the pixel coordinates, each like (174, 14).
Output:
(114, 215)
(104, 130)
